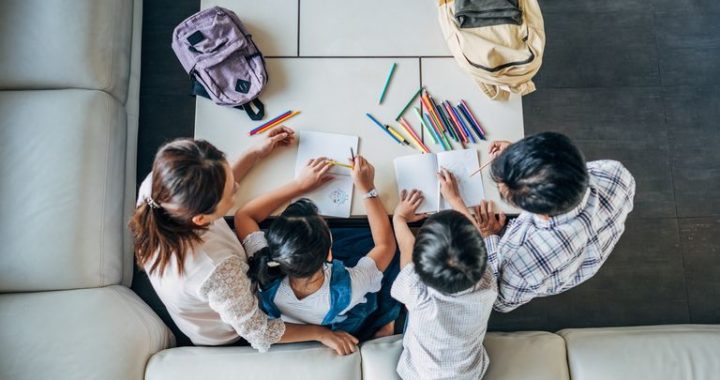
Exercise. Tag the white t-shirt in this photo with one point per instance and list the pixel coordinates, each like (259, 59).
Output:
(213, 301)
(365, 278)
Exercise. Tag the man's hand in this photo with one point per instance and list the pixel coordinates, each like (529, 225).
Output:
(340, 341)
(488, 222)
(276, 137)
(314, 174)
(363, 174)
(408, 205)
(449, 186)
(497, 147)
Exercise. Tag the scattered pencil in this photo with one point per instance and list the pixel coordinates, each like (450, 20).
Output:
(273, 123)
(472, 116)
(387, 82)
(482, 167)
(379, 124)
(430, 129)
(409, 103)
(352, 154)
(415, 137)
(397, 135)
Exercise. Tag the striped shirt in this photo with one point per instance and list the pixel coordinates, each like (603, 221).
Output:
(445, 332)
(538, 257)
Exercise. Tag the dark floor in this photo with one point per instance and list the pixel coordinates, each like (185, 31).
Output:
(631, 80)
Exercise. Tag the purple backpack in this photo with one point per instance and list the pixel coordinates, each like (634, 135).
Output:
(217, 51)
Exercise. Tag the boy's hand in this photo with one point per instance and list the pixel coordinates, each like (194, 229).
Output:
(340, 341)
(314, 174)
(409, 203)
(363, 174)
(449, 186)
(496, 147)
(276, 137)
(489, 223)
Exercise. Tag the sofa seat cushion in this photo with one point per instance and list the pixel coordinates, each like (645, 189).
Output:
(299, 361)
(648, 352)
(520, 355)
(50, 44)
(103, 333)
(62, 164)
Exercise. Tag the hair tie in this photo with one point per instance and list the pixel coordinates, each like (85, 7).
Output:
(151, 202)
(273, 264)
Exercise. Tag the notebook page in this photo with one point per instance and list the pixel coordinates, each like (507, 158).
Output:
(419, 171)
(462, 163)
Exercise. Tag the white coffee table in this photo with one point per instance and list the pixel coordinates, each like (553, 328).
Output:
(333, 91)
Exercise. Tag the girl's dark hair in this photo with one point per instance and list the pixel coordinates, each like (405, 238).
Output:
(298, 241)
(449, 252)
(544, 174)
(188, 179)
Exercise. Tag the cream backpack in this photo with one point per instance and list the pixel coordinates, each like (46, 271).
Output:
(504, 54)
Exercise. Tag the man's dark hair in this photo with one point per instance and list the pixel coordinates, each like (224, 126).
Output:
(544, 174)
(449, 253)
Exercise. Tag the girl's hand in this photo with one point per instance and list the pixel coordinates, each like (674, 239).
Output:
(314, 174)
(363, 174)
(340, 341)
(409, 203)
(496, 147)
(448, 186)
(276, 137)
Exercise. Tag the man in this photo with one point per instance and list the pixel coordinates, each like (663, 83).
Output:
(573, 215)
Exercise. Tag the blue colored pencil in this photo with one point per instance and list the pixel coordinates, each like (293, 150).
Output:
(434, 131)
(387, 82)
(462, 124)
(448, 125)
(379, 124)
(442, 119)
(429, 129)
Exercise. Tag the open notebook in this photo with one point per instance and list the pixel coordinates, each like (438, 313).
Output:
(335, 197)
(419, 171)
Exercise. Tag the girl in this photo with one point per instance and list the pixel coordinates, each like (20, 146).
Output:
(194, 261)
(299, 280)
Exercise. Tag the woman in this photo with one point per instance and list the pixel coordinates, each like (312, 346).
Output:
(193, 259)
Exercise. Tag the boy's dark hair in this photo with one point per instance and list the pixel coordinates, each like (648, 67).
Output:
(298, 241)
(544, 174)
(449, 253)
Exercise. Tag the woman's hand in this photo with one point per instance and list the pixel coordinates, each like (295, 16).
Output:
(340, 341)
(449, 186)
(409, 203)
(363, 174)
(489, 223)
(276, 137)
(497, 147)
(314, 174)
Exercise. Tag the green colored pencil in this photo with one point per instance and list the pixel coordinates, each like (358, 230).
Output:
(387, 82)
(409, 103)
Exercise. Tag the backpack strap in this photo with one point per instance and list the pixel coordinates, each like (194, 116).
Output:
(252, 114)
(266, 299)
(340, 292)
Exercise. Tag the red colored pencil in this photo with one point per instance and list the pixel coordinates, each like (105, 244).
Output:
(254, 130)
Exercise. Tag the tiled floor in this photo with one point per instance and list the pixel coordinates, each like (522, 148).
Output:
(630, 80)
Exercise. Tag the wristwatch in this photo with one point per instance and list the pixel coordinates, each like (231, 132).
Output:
(371, 194)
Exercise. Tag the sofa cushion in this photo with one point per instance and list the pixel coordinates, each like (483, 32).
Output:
(62, 164)
(521, 355)
(50, 44)
(103, 333)
(649, 352)
(300, 361)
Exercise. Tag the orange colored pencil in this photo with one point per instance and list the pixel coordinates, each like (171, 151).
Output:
(278, 122)
(433, 116)
(414, 136)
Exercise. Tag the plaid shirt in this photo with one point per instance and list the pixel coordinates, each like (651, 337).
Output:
(537, 257)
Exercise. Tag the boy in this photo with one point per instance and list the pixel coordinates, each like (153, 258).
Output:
(446, 288)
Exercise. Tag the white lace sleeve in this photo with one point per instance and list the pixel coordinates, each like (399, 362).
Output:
(254, 242)
(229, 292)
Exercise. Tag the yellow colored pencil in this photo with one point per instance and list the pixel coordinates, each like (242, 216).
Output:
(333, 162)
(275, 124)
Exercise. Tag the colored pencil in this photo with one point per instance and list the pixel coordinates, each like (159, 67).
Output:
(379, 124)
(436, 122)
(473, 117)
(456, 135)
(333, 162)
(448, 109)
(397, 135)
(439, 138)
(409, 103)
(427, 127)
(462, 123)
(272, 121)
(482, 167)
(277, 121)
(414, 136)
(352, 154)
(468, 122)
(387, 82)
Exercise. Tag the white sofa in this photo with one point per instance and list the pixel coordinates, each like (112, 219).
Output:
(69, 79)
